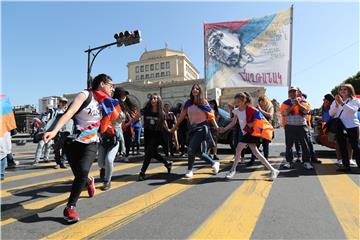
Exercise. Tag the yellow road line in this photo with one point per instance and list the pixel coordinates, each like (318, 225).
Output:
(14, 214)
(33, 174)
(236, 218)
(103, 223)
(343, 195)
(11, 191)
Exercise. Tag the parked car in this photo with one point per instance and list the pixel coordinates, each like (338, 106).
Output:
(226, 137)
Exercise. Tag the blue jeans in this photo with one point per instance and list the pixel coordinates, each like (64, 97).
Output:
(3, 166)
(196, 147)
(106, 160)
(120, 135)
(136, 140)
(39, 149)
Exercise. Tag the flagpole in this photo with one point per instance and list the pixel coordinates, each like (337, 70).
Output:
(291, 43)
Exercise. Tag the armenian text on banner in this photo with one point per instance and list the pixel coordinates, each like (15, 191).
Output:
(249, 52)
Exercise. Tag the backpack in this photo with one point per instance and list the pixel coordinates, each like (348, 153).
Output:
(70, 126)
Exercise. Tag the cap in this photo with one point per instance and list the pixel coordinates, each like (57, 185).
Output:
(292, 88)
(63, 99)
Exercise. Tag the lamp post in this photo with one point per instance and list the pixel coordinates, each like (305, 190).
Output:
(127, 38)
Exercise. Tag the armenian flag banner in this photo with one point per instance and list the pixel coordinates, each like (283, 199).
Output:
(249, 52)
(7, 117)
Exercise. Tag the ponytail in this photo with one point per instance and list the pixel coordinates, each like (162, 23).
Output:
(247, 98)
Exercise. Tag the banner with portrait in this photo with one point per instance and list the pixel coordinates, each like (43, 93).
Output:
(252, 52)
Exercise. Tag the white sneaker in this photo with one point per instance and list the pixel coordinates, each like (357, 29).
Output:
(230, 174)
(242, 160)
(339, 162)
(352, 162)
(189, 174)
(274, 174)
(216, 167)
(287, 165)
(308, 166)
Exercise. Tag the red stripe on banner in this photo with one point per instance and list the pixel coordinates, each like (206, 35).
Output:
(234, 25)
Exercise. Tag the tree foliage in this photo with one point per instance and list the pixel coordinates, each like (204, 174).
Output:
(353, 80)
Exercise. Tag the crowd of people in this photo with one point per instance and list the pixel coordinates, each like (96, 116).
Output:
(103, 123)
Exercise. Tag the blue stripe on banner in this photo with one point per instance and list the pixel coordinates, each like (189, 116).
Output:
(88, 132)
(254, 28)
(5, 106)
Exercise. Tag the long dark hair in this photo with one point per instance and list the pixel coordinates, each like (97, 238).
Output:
(148, 108)
(243, 96)
(127, 105)
(216, 108)
(201, 95)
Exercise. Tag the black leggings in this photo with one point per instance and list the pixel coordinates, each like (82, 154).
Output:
(353, 137)
(152, 141)
(81, 156)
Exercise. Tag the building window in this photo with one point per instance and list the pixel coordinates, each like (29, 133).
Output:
(152, 67)
(162, 74)
(142, 77)
(167, 65)
(142, 69)
(146, 76)
(146, 68)
(162, 66)
(137, 77)
(167, 73)
(157, 75)
(157, 66)
(152, 75)
(137, 69)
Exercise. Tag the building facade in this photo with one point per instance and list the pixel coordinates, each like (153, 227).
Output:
(48, 101)
(24, 116)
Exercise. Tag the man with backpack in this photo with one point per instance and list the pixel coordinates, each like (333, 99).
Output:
(45, 118)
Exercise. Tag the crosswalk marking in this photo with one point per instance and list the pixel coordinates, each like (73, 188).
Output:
(11, 191)
(49, 203)
(113, 218)
(237, 216)
(33, 174)
(344, 197)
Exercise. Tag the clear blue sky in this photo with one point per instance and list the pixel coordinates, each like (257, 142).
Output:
(43, 43)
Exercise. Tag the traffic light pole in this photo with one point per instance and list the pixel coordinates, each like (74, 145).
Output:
(91, 59)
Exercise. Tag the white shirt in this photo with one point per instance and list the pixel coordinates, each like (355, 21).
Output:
(241, 115)
(88, 121)
(5, 145)
(349, 114)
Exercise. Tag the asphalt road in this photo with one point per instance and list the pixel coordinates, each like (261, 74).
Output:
(300, 204)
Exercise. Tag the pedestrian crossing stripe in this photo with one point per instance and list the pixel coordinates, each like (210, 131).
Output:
(100, 224)
(344, 197)
(248, 200)
(26, 210)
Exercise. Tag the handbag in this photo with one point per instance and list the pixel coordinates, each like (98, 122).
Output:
(334, 124)
(108, 141)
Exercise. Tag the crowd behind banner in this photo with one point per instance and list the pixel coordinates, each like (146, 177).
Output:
(103, 123)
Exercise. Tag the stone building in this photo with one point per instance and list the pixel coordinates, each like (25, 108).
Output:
(24, 116)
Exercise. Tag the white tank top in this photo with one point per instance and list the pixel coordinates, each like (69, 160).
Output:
(88, 121)
(241, 115)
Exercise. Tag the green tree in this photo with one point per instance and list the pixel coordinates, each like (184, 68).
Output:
(353, 80)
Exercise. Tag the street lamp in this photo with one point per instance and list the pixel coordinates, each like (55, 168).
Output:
(127, 38)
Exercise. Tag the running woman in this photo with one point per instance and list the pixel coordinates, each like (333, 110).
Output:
(246, 115)
(82, 151)
(199, 113)
(154, 124)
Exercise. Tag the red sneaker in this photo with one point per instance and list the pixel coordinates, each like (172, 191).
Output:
(70, 215)
(91, 187)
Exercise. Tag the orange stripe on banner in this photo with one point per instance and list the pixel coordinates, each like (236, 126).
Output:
(7, 123)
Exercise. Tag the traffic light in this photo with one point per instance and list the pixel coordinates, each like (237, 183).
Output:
(127, 38)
